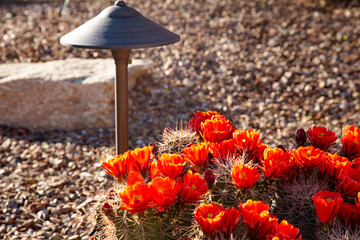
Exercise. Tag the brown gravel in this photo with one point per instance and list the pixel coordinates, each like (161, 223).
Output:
(271, 65)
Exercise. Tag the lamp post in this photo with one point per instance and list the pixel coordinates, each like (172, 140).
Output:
(120, 28)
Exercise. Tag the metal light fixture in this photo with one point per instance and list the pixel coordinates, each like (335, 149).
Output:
(120, 28)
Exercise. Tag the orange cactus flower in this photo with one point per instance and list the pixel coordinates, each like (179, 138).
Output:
(164, 192)
(154, 171)
(356, 163)
(197, 155)
(327, 205)
(321, 138)
(269, 225)
(229, 222)
(141, 159)
(209, 217)
(307, 157)
(349, 215)
(276, 163)
(331, 164)
(134, 177)
(286, 231)
(255, 216)
(192, 187)
(223, 150)
(200, 117)
(171, 165)
(216, 129)
(349, 181)
(244, 176)
(136, 197)
(207, 115)
(259, 153)
(117, 166)
(247, 141)
(351, 141)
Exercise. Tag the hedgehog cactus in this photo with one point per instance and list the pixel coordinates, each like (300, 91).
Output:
(212, 181)
(224, 190)
(175, 140)
(339, 232)
(294, 204)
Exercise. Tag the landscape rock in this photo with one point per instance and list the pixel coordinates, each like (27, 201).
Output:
(65, 94)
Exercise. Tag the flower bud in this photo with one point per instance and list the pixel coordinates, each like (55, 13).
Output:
(107, 210)
(155, 147)
(209, 178)
(300, 136)
(282, 147)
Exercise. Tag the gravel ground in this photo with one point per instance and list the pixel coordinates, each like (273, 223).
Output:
(270, 65)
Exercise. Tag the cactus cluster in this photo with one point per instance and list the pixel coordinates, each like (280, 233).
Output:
(209, 180)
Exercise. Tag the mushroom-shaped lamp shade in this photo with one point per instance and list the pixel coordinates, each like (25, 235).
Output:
(120, 28)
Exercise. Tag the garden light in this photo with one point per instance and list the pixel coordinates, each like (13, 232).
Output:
(120, 28)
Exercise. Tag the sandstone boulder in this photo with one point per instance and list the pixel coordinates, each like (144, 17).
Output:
(66, 94)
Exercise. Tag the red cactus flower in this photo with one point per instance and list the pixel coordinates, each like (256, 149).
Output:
(327, 205)
(192, 187)
(154, 171)
(247, 141)
(197, 155)
(285, 231)
(200, 117)
(250, 212)
(229, 222)
(349, 181)
(134, 177)
(269, 225)
(216, 129)
(117, 166)
(331, 164)
(209, 217)
(349, 215)
(171, 165)
(223, 150)
(356, 163)
(164, 192)
(244, 176)
(351, 141)
(276, 163)
(141, 159)
(136, 197)
(255, 216)
(259, 153)
(307, 157)
(321, 138)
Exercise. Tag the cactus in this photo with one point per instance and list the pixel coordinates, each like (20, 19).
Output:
(339, 232)
(224, 190)
(294, 204)
(175, 140)
(164, 209)
(114, 223)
